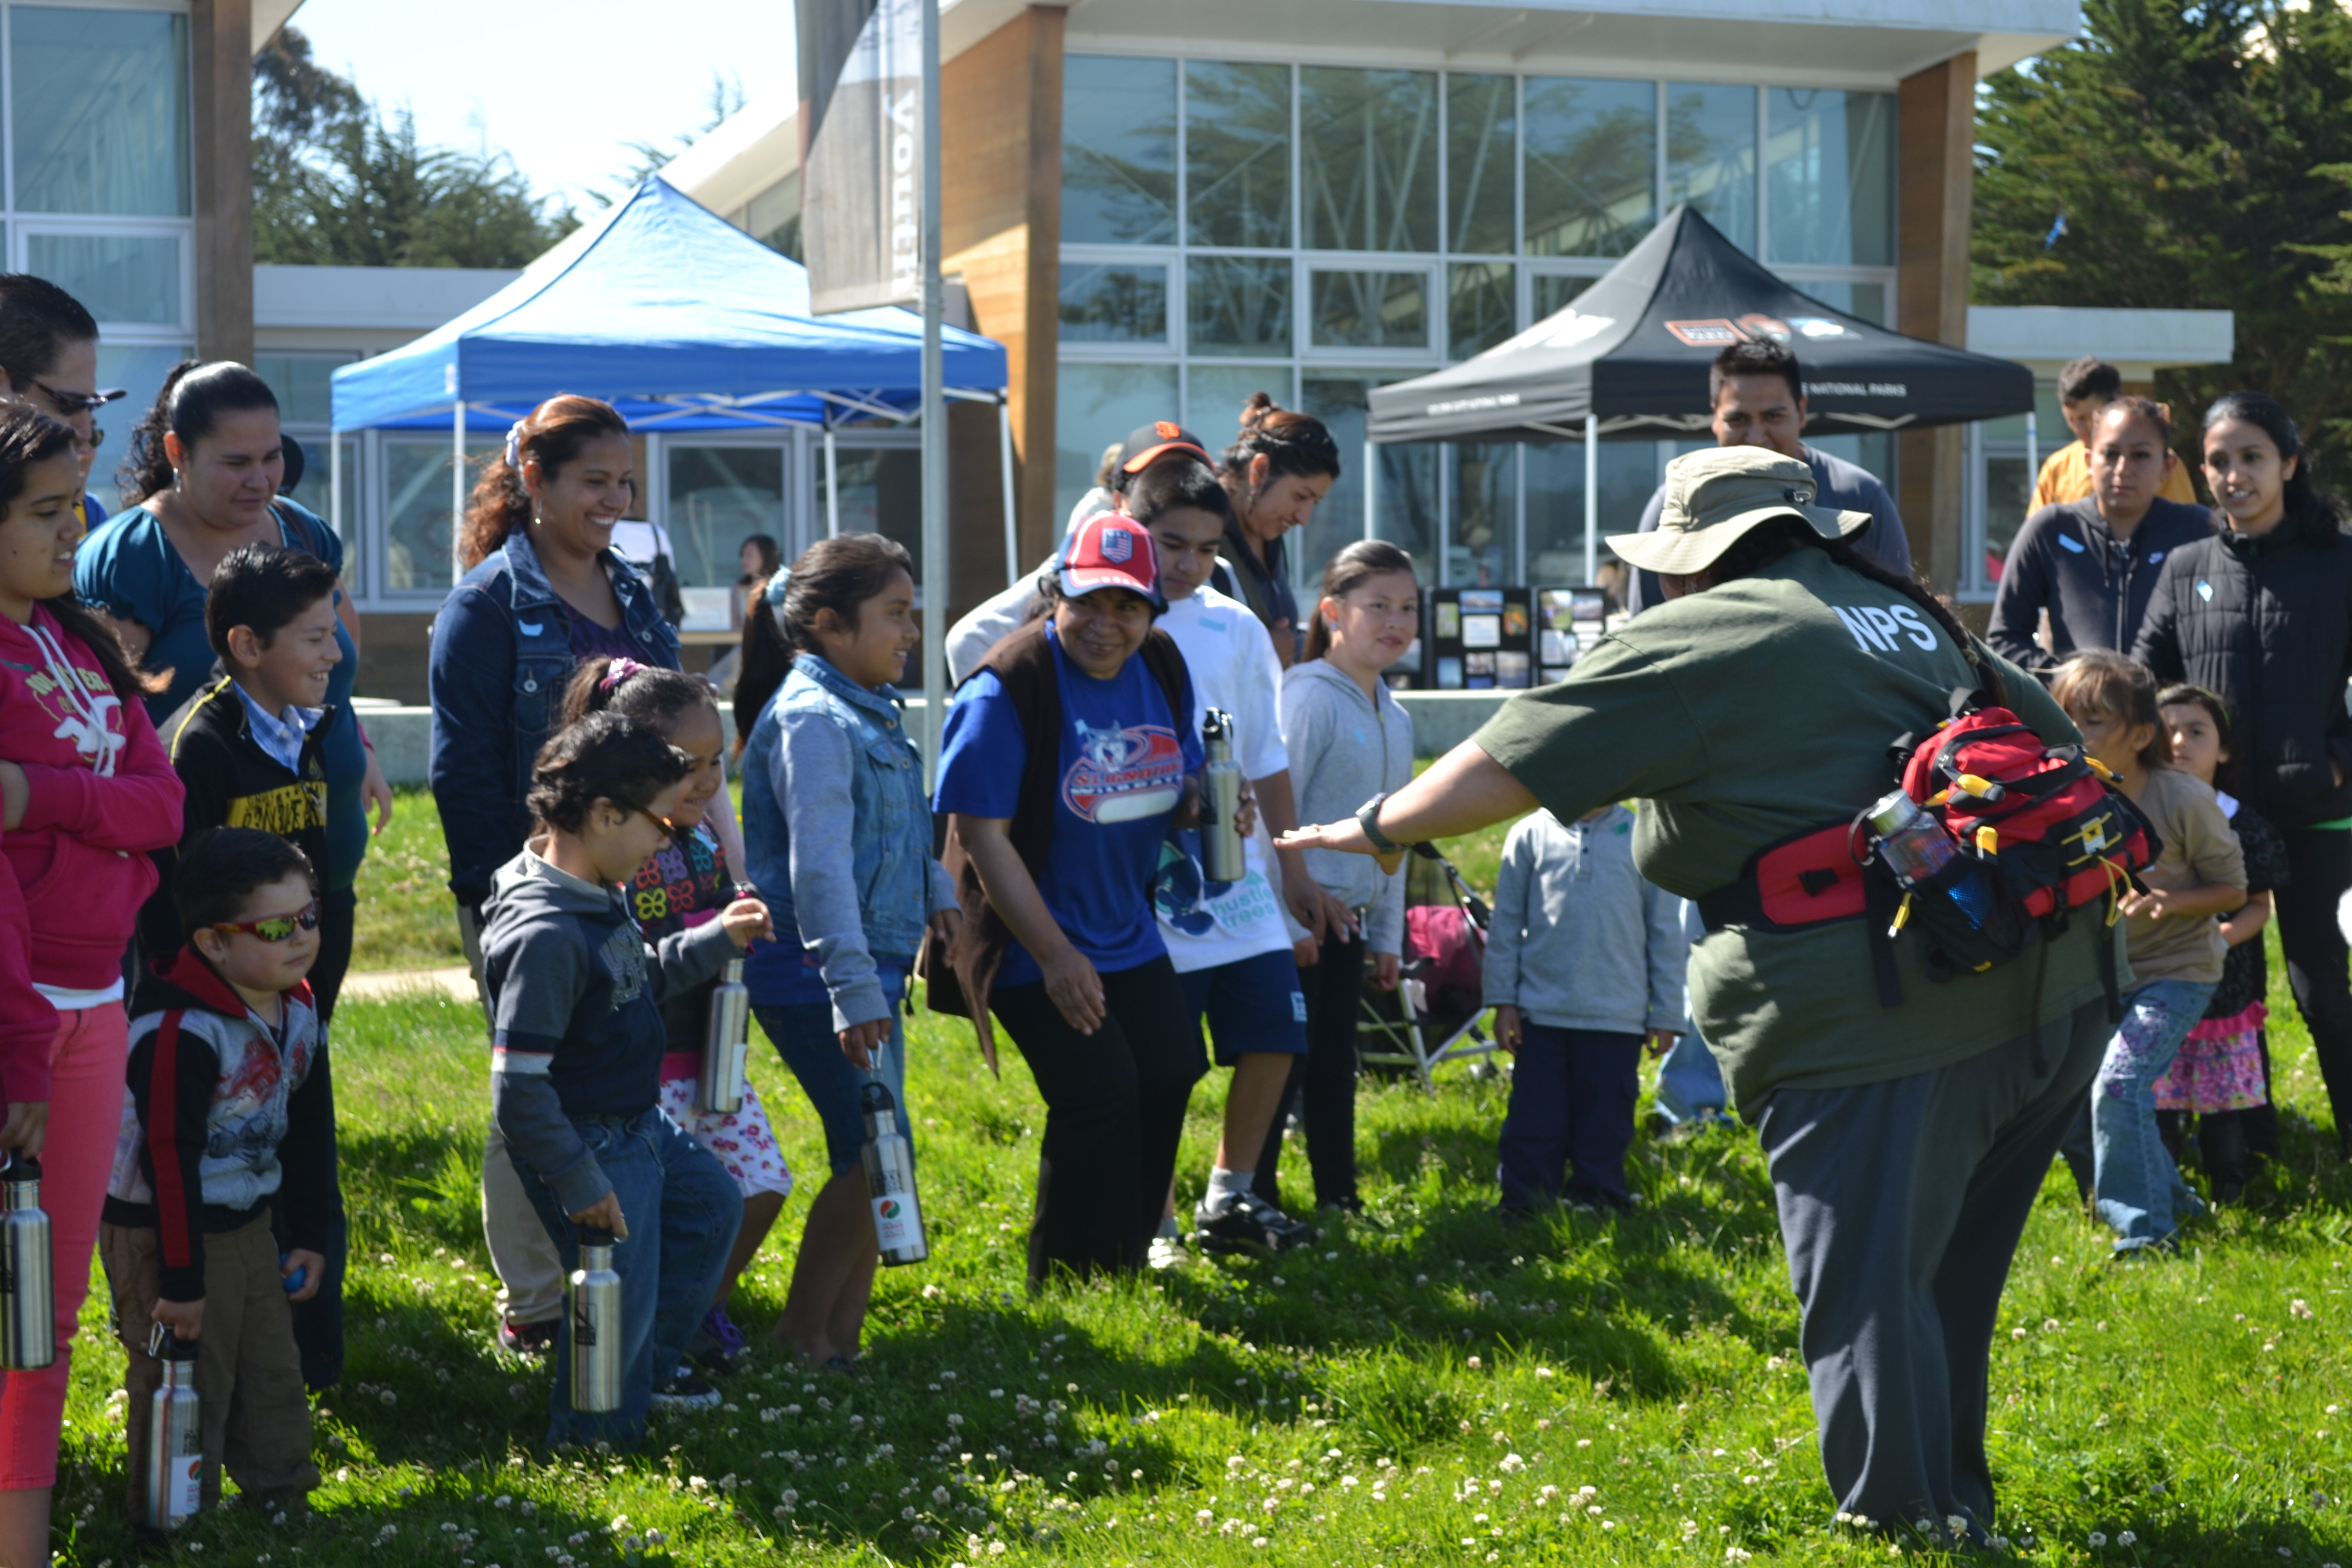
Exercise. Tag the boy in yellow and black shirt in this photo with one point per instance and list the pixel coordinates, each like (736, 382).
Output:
(250, 747)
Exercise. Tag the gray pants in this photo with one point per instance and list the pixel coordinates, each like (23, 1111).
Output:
(1901, 1205)
(530, 1270)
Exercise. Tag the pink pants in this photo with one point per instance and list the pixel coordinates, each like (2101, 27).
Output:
(86, 1090)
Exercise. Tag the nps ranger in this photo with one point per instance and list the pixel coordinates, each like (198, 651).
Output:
(1906, 1141)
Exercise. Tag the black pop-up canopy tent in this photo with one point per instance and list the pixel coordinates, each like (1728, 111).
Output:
(1628, 359)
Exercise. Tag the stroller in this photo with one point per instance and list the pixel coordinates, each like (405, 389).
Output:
(1436, 1012)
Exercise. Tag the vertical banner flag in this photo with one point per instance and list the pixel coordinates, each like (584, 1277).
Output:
(861, 151)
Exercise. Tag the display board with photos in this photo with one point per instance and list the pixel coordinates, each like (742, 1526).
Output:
(1567, 620)
(1480, 639)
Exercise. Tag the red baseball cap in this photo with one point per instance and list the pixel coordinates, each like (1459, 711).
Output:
(1147, 444)
(1110, 550)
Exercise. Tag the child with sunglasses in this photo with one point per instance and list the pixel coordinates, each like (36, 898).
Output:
(250, 749)
(225, 1120)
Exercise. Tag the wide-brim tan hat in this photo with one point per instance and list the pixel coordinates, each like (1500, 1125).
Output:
(1713, 498)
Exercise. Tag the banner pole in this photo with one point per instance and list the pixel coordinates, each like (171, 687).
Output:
(456, 491)
(1591, 498)
(1004, 467)
(1370, 477)
(935, 421)
(832, 487)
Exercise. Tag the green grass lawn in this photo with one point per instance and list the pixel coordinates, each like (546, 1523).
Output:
(1429, 1389)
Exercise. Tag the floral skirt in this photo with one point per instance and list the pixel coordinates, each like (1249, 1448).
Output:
(741, 1139)
(2220, 1067)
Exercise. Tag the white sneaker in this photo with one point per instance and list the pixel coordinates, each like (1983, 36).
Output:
(1169, 1252)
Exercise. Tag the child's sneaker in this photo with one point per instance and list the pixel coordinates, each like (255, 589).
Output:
(686, 1390)
(719, 1345)
(1249, 1224)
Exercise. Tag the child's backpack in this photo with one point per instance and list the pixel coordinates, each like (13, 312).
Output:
(2038, 832)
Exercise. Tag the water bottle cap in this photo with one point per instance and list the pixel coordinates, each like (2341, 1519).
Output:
(1893, 812)
(593, 1235)
(873, 1097)
(734, 972)
(21, 1168)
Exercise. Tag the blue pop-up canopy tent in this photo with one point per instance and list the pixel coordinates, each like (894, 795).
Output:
(677, 318)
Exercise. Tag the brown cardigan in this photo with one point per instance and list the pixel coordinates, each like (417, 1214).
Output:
(959, 980)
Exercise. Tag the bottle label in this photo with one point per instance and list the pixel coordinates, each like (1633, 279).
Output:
(897, 1224)
(188, 1486)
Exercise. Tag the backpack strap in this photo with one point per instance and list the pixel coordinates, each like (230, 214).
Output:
(1882, 898)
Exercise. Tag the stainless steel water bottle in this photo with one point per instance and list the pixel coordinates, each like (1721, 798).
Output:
(726, 1041)
(1220, 801)
(595, 1306)
(173, 1464)
(29, 1330)
(890, 1180)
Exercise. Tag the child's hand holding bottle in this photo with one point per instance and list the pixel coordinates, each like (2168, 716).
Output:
(747, 921)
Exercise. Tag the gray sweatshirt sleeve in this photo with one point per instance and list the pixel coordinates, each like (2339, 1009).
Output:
(533, 1013)
(813, 762)
(1669, 952)
(684, 960)
(1508, 929)
(1385, 928)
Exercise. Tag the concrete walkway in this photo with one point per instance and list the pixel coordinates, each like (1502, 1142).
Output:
(375, 984)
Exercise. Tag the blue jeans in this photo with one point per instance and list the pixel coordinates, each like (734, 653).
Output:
(682, 1211)
(1690, 1084)
(804, 1037)
(1571, 1119)
(2135, 1186)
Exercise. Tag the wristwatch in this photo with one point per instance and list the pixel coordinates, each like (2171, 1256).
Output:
(1368, 818)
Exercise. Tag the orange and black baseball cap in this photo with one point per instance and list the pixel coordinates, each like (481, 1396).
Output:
(1147, 444)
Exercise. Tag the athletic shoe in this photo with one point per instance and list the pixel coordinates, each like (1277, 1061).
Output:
(718, 1346)
(1169, 1252)
(526, 1339)
(1249, 1224)
(686, 1390)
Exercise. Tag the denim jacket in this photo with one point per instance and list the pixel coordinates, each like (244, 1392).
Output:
(501, 653)
(838, 830)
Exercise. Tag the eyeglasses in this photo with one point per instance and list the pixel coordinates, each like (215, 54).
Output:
(275, 928)
(664, 823)
(73, 403)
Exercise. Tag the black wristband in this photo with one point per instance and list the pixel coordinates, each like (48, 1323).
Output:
(1368, 818)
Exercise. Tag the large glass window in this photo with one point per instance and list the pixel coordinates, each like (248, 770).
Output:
(1482, 547)
(304, 385)
(1370, 309)
(1236, 154)
(1549, 292)
(773, 217)
(1119, 150)
(140, 368)
(123, 279)
(1406, 499)
(882, 492)
(416, 508)
(99, 116)
(1095, 406)
(1711, 155)
(719, 495)
(1238, 307)
(1481, 306)
(1114, 303)
(1482, 126)
(1555, 502)
(1367, 158)
(1830, 170)
(1867, 300)
(1215, 394)
(1592, 165)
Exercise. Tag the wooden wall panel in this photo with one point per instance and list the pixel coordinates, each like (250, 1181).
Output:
(1935, 122)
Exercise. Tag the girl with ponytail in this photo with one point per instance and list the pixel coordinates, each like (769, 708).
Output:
(542, 593)
(1276, 471)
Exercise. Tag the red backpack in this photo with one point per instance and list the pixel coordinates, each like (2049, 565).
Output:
(2039, 832)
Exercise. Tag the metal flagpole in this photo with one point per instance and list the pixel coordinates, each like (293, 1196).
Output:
(2032, 456)
(1371, 476)
(832, 486)
(457, 489)
(1591, 498)
(335, 484)
(1004, 467)
(935, 417)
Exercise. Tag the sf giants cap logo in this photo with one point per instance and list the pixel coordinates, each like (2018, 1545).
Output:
(1167, 430)
(1118, 545)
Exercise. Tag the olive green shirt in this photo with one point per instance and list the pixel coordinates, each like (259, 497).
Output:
(1752, 713)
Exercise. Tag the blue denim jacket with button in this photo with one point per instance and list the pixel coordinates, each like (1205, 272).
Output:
(838, 829)
(501, 654)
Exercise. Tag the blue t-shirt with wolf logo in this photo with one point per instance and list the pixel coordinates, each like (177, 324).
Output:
(1122, 762)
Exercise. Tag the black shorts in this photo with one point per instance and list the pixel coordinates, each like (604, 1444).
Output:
(1254, 1006)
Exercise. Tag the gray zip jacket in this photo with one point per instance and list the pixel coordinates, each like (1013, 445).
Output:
(1579, 940)
(1343, 752)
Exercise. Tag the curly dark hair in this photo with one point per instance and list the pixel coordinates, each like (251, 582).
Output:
(551, 437)
(606, 756)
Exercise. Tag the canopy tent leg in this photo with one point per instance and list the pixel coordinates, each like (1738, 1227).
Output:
(935, 420)
(456, 491)
(1591, 499)
(335, 484)
(2033, 458)
(831, 488)
(1371, 484)
(1004, 468)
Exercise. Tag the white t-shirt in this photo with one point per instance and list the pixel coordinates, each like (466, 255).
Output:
(1233, 667)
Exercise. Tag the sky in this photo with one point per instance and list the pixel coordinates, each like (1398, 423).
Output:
(563, 89)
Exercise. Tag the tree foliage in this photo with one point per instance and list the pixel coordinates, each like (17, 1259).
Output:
(338, 183)
(2199, 155)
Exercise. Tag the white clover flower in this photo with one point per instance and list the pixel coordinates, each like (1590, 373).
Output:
(2098, 1538)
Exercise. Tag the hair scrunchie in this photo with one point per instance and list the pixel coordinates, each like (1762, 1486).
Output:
(774, 592)
(619, 670)
(514, 448)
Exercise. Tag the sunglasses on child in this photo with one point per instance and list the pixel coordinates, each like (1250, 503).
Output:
(275, 928)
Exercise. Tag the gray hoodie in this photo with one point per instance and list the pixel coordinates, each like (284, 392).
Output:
(575, 1014)
(1343, 752)
(1579, 940)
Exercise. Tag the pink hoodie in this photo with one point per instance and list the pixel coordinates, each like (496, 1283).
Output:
(75, 871)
